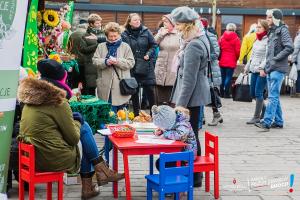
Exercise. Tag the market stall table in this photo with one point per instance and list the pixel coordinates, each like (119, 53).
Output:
(131, 146)
(94, 111)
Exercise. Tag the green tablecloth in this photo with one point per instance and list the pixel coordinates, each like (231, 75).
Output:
(94, 111)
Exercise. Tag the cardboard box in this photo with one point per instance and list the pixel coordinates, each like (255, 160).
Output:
(72, 179)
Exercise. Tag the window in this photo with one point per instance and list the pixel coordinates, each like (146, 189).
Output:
(236, 19)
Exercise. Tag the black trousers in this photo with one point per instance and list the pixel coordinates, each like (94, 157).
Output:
(194, 120)
(89, 91)
(149, 91)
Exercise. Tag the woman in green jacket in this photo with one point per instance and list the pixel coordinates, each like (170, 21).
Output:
(48, 123)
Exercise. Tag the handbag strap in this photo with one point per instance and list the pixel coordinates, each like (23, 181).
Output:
(116, 72)
(209, 74)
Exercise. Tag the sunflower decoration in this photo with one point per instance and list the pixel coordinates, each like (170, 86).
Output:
(51, 18)
(39, 18)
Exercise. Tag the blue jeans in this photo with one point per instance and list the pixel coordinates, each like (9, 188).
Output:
(89, 148)
(226, 74)
(201, 116)
(273, 111)
(258, 85)
(116, 108)
(298, 83)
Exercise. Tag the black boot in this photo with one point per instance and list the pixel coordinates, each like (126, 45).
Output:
(198, 176)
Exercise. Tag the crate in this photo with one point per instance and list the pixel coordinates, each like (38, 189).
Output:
(72, 179)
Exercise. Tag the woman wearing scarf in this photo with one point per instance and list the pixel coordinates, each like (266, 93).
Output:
(88, 45)
(143, 47)
(256, 66)
(112, 56)
(191, 89)
(169, 42)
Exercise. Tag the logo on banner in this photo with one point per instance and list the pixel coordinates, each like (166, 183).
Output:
(7, 15)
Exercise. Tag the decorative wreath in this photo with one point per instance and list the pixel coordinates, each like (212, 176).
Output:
(39, 18)
(51, 18)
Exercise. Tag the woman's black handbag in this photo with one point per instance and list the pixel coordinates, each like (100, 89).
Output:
(241, 92)
(214, 91)
(128, 86)
(142, 67)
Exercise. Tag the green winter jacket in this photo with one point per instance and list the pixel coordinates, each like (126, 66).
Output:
(47, 123)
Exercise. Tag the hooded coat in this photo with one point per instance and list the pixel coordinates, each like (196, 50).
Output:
(48, 124)
(230, 46)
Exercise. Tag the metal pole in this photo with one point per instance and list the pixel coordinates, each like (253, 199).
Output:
(214, 13)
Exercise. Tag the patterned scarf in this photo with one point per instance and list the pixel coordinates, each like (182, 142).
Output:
(184, 43)
(112, 48)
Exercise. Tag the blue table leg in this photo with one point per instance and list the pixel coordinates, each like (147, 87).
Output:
(151, 163)
(106, 148)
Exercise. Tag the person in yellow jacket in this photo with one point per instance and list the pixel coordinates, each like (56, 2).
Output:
(246, 48)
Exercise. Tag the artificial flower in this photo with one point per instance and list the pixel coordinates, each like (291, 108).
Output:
(51, 18)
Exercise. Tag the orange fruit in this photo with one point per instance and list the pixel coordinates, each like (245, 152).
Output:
(121, 114)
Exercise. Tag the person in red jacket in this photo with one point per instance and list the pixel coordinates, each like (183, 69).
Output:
(230, 45)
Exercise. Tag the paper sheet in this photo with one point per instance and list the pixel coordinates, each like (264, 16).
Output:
(152, 139)
(104, 132)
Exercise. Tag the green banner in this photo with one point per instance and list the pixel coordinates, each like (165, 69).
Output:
(8, 84)
(12, 25)
(68, 18)
(30, 57)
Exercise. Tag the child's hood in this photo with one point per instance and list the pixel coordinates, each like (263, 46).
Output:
(182, 117)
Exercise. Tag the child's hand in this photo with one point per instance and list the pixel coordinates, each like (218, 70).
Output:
(158, 132)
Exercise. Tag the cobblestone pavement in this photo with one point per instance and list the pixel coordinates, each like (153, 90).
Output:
(260, 163)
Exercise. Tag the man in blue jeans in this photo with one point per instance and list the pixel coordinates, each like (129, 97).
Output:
(280, 46)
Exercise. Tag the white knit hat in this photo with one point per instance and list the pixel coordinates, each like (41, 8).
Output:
(164, 117)
(276, 15)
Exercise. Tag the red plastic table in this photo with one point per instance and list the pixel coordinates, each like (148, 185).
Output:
(128, 147)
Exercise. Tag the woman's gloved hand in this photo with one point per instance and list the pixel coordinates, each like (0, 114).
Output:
(77, 116)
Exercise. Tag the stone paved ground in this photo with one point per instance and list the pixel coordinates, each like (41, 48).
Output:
(246, 155)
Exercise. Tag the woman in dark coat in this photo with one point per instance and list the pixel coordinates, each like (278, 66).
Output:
(143, 45)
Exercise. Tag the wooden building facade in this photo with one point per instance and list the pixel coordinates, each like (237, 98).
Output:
(241, 12)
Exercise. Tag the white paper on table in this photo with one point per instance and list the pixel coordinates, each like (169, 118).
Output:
(104, 132)
(152, 139)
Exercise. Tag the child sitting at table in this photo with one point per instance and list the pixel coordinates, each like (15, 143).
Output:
(174, 124)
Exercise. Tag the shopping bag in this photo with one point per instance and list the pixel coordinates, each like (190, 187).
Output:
(293, 73)
(241, 92)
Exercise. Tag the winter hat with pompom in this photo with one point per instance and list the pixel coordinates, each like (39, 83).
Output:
(164, 117)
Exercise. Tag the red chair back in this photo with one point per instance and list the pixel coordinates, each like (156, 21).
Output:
(26, 159)
(212, 150)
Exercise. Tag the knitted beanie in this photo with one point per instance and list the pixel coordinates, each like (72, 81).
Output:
(204, 22)
(184, 15)
(164, 117)
(169, 17)
(51, 69)
(276, 15)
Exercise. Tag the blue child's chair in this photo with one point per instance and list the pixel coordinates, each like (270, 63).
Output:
(172, 179)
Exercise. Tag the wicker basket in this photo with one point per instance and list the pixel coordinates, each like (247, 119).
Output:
(122, 131)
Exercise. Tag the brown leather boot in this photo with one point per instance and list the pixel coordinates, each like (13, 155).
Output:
(89, 189)
(104, 173)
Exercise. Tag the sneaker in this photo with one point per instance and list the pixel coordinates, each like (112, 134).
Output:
(273, 125)
(262, 126)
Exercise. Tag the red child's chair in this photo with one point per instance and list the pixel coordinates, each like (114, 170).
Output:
(209, 163)
(27, 173)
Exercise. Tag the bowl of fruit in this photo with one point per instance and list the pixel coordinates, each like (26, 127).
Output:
(122, 130)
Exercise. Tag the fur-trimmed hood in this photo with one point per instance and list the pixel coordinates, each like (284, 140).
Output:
(39, 92)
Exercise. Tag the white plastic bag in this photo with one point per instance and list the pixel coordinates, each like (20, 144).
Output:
(239, 79)
(243, 79)
(293, 73)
